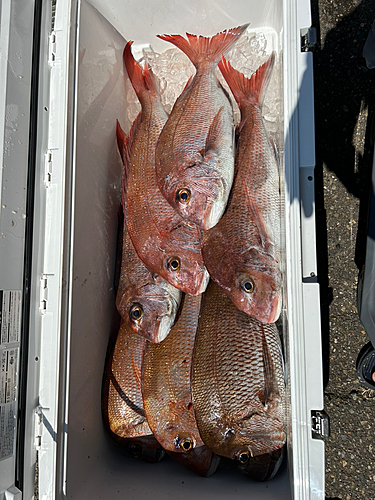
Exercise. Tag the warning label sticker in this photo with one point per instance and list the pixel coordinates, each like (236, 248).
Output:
(8, 394)
(8, 375)
(7, 429)
(10, 330)
(10, 316)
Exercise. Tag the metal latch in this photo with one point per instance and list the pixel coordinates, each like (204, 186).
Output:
(308, 39)
(319, 424)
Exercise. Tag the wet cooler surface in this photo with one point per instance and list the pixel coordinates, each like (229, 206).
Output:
(344, 109)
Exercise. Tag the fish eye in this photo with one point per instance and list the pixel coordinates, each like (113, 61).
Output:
(248, 285)
(186, 444)
(183, 195)
(135, 450)
(243, 457)
(174, 263)
(136, 312)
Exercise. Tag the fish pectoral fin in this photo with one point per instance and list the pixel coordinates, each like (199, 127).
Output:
(216, 132)
(271, 391)
(274, 148)
(248, 410)
(188, 83)
(137, 372)
(264, 237)
(239, 128)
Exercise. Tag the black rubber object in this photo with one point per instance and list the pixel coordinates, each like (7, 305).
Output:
(366, 366)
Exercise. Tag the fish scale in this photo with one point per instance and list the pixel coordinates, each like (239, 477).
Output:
(235, 395)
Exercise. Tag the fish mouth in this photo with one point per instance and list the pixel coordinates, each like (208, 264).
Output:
(162, 328)
(200, 284)
(275, 310)
(165, 311)
(213, 213)
(204, 282)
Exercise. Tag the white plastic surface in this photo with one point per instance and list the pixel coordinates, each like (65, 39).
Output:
(307, 162)
(90, 467)
(15, 83)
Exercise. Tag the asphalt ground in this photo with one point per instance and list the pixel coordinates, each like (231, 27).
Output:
(344, 112)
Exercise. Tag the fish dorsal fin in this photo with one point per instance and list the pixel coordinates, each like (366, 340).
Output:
(216, 132)
(251, 89)
(203, 49)
(124, 144)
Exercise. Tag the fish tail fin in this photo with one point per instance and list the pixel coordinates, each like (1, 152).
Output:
(248, 89)
(143, 80)
(202, 49)
(124, 144)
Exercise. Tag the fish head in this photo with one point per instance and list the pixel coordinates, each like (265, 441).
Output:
(250, 277)
(180, 261)
(186, 272)
(266, 442)
(256, 434)
(150, 310)
(198, 192)
(200, 460)
(145, 447)
(257, 292)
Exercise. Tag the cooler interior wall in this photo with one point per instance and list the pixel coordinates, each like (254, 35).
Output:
(94, 467)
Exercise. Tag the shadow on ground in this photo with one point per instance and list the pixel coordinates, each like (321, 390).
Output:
(344, 87)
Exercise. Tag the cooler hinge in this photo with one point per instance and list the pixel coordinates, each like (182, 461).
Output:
(38, 427)
(43, 293)
(12, 493)
(308, 39)
(48, 168)
(319, 424)
(52, 49)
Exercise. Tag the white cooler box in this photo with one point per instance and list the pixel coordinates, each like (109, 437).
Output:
(61, 66)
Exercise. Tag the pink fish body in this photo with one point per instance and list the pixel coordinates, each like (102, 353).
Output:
(195, 151)
(237, 381)
(166, 243)
(242, 252)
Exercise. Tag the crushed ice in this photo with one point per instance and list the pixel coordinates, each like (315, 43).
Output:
(173, 69)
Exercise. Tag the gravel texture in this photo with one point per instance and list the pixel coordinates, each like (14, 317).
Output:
(344, 109)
